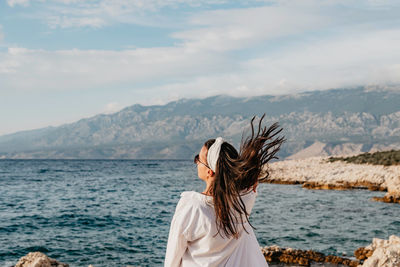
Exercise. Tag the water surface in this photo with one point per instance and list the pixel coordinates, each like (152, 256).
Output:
(117, 212)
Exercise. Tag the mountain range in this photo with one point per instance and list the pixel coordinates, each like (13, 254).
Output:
(329, 122)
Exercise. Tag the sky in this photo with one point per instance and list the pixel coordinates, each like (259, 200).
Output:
(63, 60)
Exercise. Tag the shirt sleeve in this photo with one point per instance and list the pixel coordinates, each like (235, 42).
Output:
(180, 232)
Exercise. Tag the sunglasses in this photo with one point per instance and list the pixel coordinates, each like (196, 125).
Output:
(197, 161)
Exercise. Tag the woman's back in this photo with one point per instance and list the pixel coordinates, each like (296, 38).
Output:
(193, 239)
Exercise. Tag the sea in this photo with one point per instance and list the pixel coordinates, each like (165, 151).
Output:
(118, 212)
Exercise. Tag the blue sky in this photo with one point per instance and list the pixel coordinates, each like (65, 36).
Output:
(63, 60)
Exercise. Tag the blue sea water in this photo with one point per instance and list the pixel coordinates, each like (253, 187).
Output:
(117, 212)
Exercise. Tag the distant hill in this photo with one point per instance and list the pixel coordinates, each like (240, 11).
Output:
(331, 122)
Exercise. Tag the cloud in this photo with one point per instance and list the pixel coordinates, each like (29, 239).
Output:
(120, 4)
(364, 59)
(282, 48)
(350, 60)
(1, 33)
(13, 3)
(99, 13)
(371, 58)
(74, 22)
(77, 69)
(286, 20)
(112, 107)
(223, 30)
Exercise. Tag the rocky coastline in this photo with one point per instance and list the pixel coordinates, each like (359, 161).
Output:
(380, 253)
(319, 173)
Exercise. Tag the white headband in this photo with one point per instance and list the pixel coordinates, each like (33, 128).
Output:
(213, 153)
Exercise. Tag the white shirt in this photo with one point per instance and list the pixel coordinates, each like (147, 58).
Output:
(193, 241)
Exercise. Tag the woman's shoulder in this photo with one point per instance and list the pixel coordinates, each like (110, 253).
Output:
(195, 199)
(194, 196)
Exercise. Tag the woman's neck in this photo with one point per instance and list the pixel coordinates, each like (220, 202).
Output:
(207, 190)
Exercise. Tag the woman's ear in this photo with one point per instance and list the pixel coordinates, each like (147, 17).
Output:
(211, 173)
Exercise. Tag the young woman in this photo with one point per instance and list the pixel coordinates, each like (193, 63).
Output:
(212, 228)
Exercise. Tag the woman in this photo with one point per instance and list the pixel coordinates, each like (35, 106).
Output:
(212, 228)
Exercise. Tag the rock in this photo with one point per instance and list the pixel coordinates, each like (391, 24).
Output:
(393, 194)
(363, 253)
(386, 253)
(275, 254)
(388, 199)
(38, 259)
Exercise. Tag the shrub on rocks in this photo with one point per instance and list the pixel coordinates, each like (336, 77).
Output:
(386, 158)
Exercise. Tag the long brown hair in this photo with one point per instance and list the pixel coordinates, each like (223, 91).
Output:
(236, 172)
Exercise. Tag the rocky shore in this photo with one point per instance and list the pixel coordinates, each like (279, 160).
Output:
(319, 173)
(381, 253)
